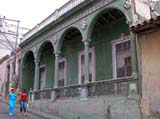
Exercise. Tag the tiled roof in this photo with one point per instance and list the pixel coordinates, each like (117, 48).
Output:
(150, 24)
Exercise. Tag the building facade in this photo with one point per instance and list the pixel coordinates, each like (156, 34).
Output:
(8, 78)
(2, 75)
(148, 42)
(81, 61)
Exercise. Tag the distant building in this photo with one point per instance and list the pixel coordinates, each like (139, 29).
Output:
(3, 74)
(8, 30)
(7, 79)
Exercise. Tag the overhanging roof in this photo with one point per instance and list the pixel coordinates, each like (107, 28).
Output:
(148, 25)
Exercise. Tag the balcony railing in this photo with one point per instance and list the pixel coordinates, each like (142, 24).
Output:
(53, 17)
(122, 86)
(110, 87)
(41, 94)
(68, 92)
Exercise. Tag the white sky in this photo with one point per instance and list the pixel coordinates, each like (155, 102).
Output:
(29, 12)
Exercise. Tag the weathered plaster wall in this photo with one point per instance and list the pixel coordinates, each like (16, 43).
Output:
(107, 107)
(150, 57)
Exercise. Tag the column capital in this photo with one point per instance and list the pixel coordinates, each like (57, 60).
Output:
(86, 41)
(57, 53)
(36, 61)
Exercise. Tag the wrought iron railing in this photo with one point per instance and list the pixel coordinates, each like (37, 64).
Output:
(122, 86)
(53, 17)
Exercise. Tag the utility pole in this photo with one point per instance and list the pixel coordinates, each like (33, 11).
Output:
(9, 40)
(15, 52)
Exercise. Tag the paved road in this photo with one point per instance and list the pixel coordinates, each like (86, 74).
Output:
(4, 113)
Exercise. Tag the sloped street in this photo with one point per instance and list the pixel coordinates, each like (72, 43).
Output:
(4, 113)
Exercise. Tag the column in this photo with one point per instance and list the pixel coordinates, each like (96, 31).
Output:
(36, 75)
(56, 75)
(36, 80)
(56, 71)
(134, 56)
(86, 61)
(84, 90)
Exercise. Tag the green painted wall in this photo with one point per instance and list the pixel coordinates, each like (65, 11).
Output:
(101, 40)
(28, 76)
(48, 59)
(70, 49)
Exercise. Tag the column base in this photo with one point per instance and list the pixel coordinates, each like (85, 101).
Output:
(84, 93)
(32, 97)
(53, 96)
(132, 88)
(135, 75)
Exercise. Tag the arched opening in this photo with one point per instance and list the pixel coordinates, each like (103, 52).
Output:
(109, 37)
(71, 47)
(46, 66)
(28, 71)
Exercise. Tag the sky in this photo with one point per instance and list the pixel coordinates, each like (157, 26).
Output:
(29, 12)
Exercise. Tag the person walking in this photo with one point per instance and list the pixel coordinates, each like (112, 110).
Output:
(12, 102)
(23, 102)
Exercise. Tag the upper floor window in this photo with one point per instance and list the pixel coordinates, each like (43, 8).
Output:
(81, 67)
(62, 72)
(122, 59)
(43, 76)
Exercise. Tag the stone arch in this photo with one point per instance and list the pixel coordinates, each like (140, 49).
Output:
(41, 48)
(24, 56)
(46, 60)
(63, 34)
(107, 25)
(100, 12)
(28, 70)
(70, 45)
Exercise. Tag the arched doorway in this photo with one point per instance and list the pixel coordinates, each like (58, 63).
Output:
(71, 47)
(28, 72)
(46, 66)
(109, 31)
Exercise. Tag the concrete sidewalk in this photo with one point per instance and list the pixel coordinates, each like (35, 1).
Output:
(31, 114)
